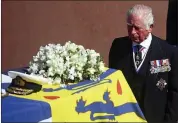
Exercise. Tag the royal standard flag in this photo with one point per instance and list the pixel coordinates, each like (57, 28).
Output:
(107, 100)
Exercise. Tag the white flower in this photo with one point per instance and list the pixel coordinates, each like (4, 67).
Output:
(41, 72)
(74, 57)
(34, 67)
(91, 70)
(72, 70)
(35, 58)
(101, 66)
(80, 75)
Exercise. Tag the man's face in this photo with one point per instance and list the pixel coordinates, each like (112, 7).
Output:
(136, 29)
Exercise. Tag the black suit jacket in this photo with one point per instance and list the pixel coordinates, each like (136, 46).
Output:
(158, 106)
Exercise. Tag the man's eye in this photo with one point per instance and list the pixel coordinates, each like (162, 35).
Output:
(137, 28)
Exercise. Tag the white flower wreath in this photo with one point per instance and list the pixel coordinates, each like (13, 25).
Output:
(68, 63)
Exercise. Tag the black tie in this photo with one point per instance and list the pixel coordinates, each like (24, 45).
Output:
(138, 55)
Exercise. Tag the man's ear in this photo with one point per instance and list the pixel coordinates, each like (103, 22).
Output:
(151, 28)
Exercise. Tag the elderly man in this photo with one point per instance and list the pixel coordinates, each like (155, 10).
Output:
(150, 66)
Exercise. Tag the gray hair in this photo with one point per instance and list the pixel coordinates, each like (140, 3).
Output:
(145, 12)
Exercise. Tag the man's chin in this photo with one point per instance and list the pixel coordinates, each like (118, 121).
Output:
(135, 40)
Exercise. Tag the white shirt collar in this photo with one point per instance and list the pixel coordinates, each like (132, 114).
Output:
(146, 43)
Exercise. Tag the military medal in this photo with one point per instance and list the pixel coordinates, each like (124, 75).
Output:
(161, 84)
(160, 66)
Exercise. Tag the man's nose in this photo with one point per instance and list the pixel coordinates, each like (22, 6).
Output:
(132, 30)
